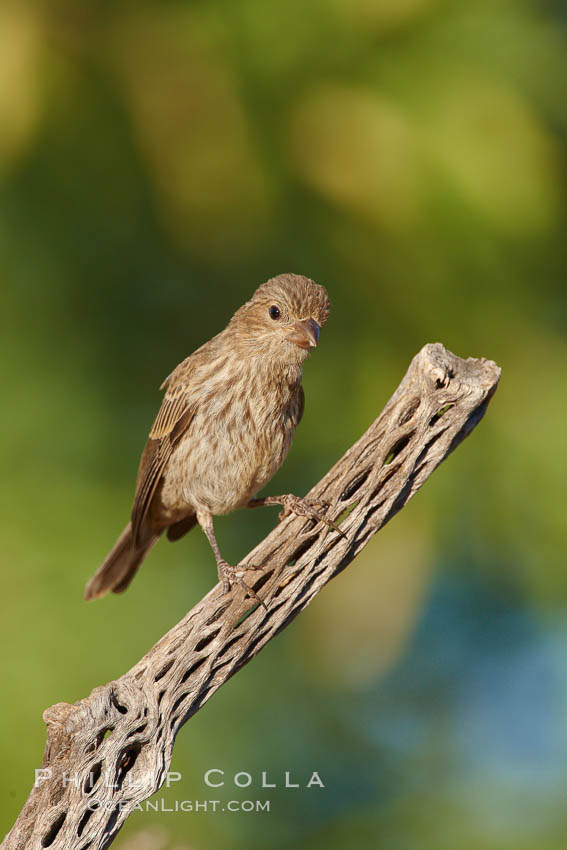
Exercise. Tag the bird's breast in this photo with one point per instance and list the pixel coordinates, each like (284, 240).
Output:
(236, 443)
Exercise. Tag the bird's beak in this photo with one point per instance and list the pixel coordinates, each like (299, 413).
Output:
(305, 334)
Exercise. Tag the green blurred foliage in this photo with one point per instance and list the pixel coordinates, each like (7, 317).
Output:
(159, 161)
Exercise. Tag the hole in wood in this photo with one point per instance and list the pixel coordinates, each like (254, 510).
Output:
(228, 645)
(200, 700)
(392, 469)
(192, 669)
(178, 702)
(345, 513)
(409, 411)
(309, 525)
(437, 416)
(94, 745)
(252, 646)
(173, 649)
(219, 666)
(205, 641)
(355, 484)
(85, 819)
(286, 579)
(92, 777)
(246, 614)
(424, 452)
(275, 608)
(258, 585)
(217, 613)
(163, 671)
(301, 550)
(111, 822)
(126, 762)
(306, 588)
(53, 830)
(117, 705)
(278, 590)
(398, 447)
(138, 731)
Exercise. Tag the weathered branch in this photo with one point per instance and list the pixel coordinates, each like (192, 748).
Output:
(116, 744)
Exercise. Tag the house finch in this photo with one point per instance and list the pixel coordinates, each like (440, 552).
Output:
(224, 427)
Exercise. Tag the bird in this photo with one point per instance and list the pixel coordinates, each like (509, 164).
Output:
(224, 428)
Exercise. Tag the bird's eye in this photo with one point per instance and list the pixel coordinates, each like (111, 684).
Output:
(274, 312)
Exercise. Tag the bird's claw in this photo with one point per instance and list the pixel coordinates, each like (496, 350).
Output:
(311, 508)
(229, 575)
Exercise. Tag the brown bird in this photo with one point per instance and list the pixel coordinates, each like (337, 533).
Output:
(224, 428)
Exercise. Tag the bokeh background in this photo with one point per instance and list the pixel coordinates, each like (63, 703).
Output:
(157, 162)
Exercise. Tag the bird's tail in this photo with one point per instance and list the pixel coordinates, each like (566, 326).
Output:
(120, 565)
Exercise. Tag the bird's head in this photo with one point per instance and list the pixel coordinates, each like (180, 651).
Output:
(283, 318)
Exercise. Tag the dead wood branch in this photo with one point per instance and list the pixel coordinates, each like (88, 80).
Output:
(126, 729)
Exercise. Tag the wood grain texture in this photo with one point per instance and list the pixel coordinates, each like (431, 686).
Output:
(126, 729)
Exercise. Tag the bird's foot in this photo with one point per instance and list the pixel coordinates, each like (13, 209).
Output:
(312, 508)
(229, 576)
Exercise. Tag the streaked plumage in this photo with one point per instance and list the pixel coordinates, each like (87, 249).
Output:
(224, 427)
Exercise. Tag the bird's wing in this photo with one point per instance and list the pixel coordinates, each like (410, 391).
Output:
(300, 406)
(172, 421)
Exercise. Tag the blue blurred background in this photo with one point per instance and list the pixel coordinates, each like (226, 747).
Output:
(158, 162)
